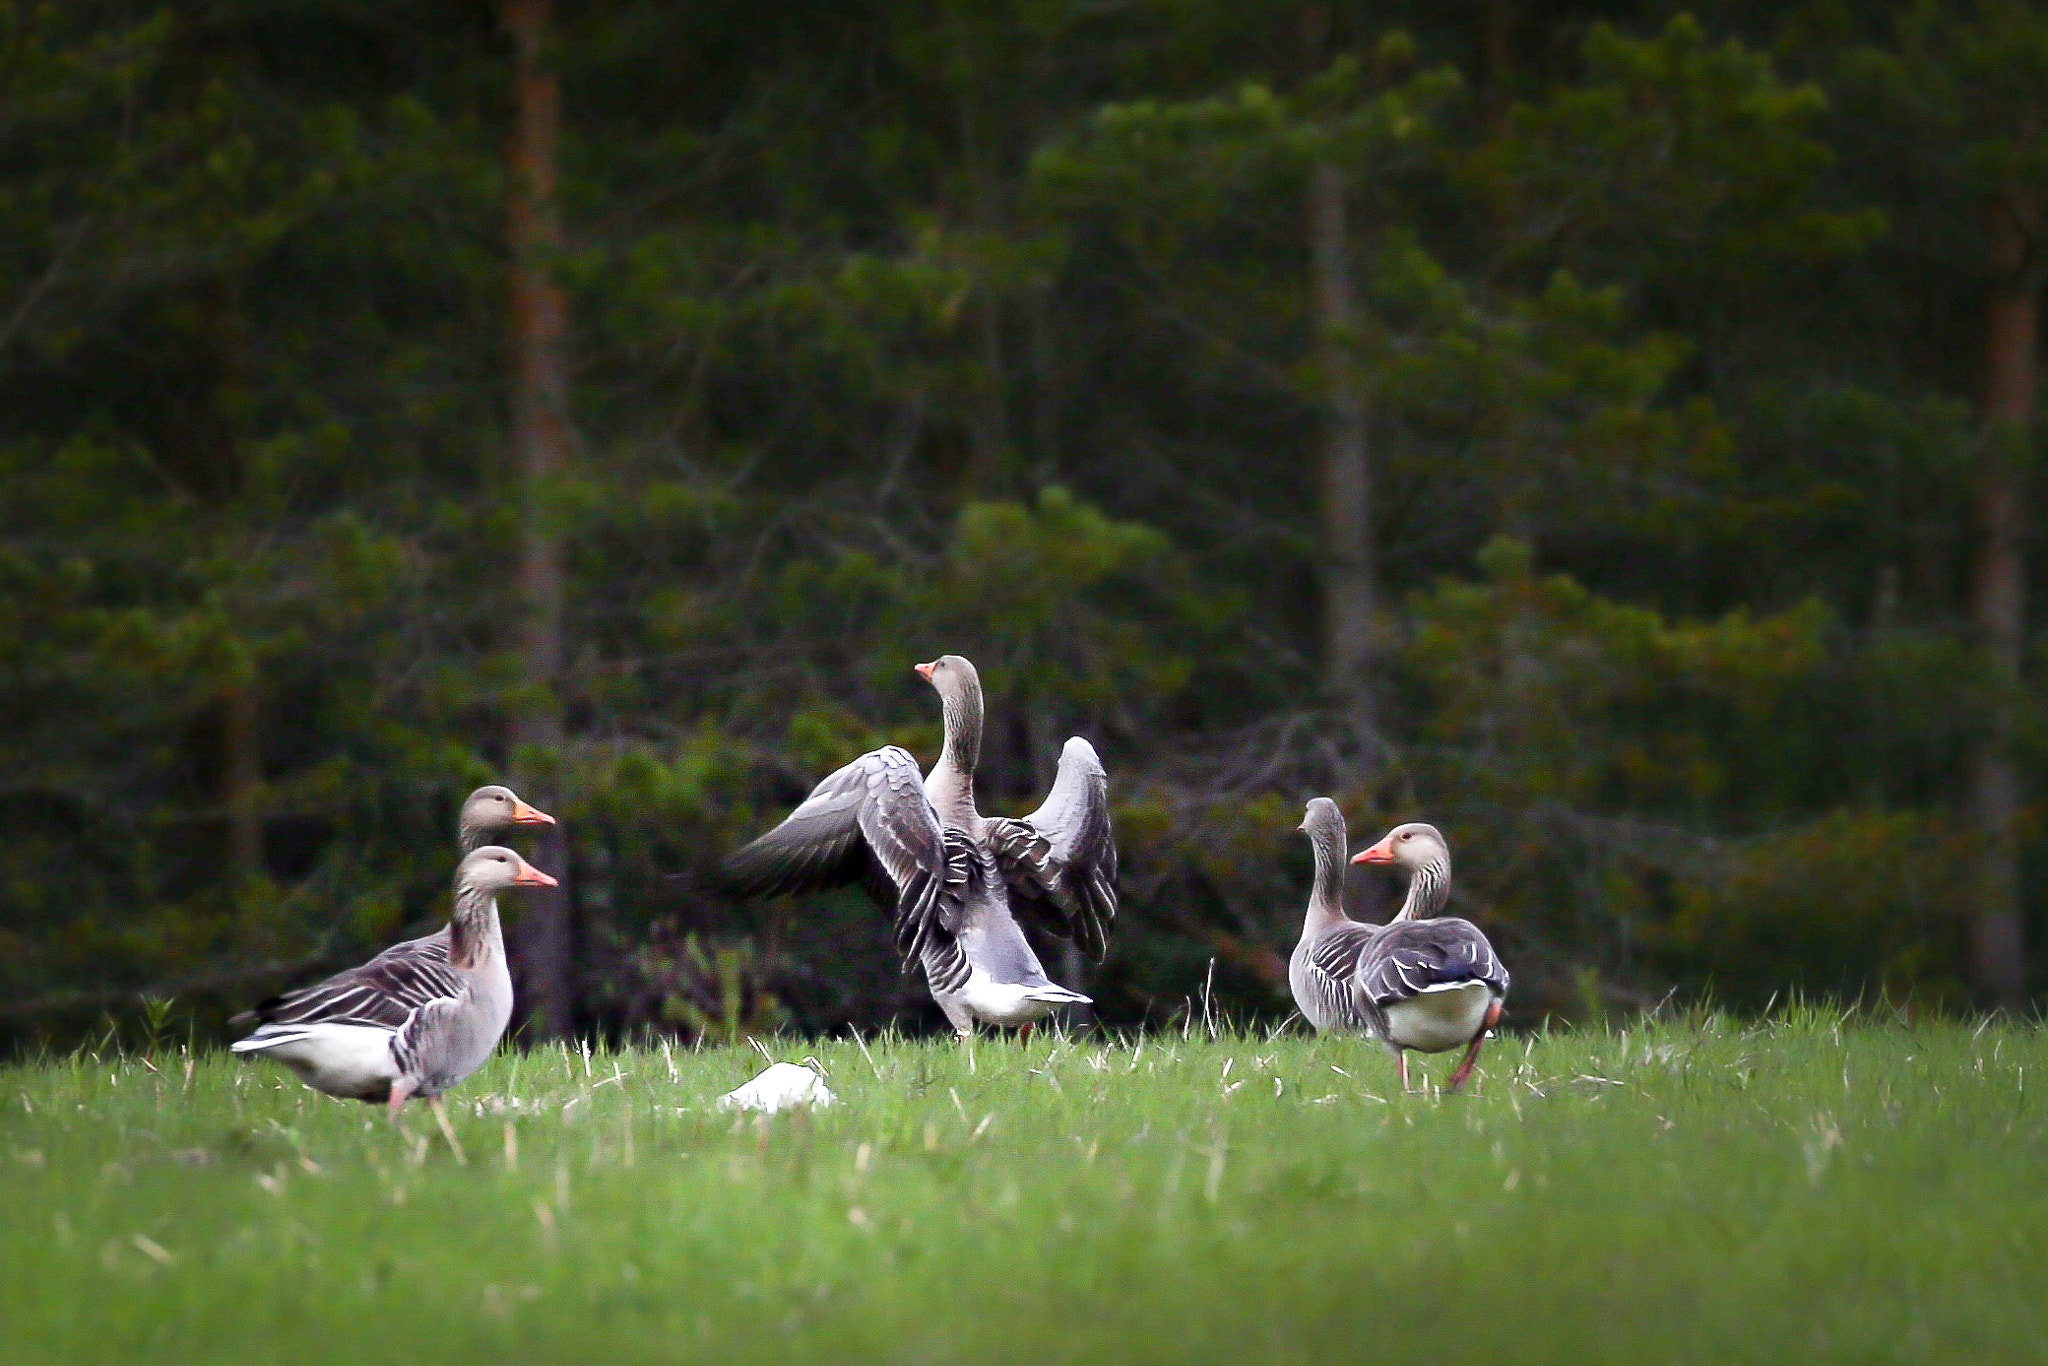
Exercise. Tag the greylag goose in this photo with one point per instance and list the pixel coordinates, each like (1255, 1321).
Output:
(486, 811)
(408, 1025)
(491, 808)
(1421, 981)
(956, 880)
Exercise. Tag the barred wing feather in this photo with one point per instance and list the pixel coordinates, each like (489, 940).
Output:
(1412, 956)
(1060, 861)
(383, 992)
(870, 822)
(1331, 963)
(1336, 954)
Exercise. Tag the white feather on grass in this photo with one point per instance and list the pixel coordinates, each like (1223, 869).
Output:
(783, 1086)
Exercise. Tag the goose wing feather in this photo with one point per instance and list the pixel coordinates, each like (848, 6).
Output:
(383, 992)
(1330, 974)
(1060, 861)
(431, 947)
(1335, 955)
(869, 822)
(1411, 956)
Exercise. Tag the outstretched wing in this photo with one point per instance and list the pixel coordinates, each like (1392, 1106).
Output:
(870, 822)
(384, 991)
(1060, 860)
(1411, 956)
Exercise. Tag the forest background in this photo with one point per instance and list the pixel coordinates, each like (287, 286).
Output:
(1605, 430)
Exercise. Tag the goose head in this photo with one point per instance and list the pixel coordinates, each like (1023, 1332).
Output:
(959, 689)
(493, 807)
(1411, 846)
(953, 675)
(1322, 818)
(494, 868)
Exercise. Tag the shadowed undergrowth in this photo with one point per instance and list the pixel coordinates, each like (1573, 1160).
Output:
(1695, 1191)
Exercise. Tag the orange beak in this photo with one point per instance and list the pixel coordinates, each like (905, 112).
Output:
(522, 814)
(530, 876)
(1379, 853)
(926, 669)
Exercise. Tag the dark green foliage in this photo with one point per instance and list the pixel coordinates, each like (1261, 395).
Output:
(900, 329)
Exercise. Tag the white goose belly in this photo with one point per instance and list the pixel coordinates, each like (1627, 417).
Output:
(1439, 1018)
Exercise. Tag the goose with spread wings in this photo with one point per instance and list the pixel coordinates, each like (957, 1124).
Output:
(957, 881)
(1423, 981)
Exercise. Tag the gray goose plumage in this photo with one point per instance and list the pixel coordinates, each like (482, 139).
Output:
(1422, 981)
(956, 880)
(405, 1025)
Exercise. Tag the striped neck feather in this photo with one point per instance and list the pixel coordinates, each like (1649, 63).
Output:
(473, 927)
(952, 777)
(1326, 901)
(1428, 890)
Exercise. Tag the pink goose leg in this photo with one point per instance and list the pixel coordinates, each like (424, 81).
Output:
(1457, 1078)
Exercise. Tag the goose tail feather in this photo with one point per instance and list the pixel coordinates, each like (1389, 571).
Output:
(1058, 996)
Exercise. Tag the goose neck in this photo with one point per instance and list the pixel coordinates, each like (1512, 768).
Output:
(1428, 891)
(474, 932)
(1326, 899)
(951, 785)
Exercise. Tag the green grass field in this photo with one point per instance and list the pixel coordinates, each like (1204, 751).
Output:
(1699, 1191)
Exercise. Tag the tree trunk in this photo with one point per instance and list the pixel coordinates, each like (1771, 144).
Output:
(1350, 593)
(540, 441)
(1998, 600)
(1496, 63)
(241, 700)
(242, 772)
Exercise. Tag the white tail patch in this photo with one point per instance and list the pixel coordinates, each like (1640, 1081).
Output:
(1059, 996)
